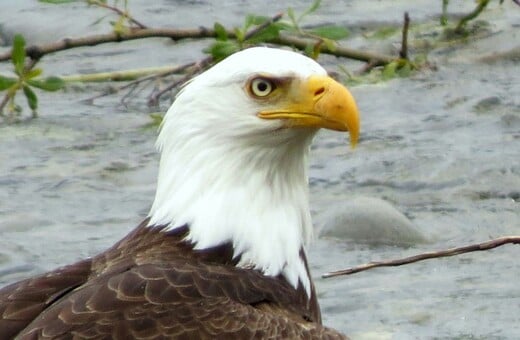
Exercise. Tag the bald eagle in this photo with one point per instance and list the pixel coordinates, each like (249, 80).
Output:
(222, 251)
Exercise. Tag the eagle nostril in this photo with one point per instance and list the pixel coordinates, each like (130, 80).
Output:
(319, 91)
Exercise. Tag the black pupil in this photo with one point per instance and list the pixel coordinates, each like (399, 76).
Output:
(262, 86)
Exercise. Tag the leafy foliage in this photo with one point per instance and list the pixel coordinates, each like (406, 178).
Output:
(6, 82)
(331, 32)
(26, 79)
(50, 84)
(18, 54)
(261, 29)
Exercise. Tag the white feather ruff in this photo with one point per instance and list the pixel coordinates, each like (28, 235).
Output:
(231, 176)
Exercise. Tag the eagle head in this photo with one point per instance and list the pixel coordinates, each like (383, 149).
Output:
(234, 148)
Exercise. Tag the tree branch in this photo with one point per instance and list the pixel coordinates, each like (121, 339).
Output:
(118, 11)
(38, 51)
(429, 255)
(339, 51)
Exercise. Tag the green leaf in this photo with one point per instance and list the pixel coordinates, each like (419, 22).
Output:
(330, 32)
(220, 31)
(331, 44)
(253, 20)
(269, 33)
(120, 26)
(310, 51)
(32, 100)
(290, 14)
(35, 72)
(240, 34)
(390, 69)
(221, 49)
(157, 118)
(47, 84)
(383, 33)
(6, 82)
(18, 53)
(314, 6)
(405, 70)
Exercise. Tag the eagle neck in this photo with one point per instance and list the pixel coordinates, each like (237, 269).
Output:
(252, 196)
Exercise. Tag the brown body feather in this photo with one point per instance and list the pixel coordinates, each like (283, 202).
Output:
(153, 285)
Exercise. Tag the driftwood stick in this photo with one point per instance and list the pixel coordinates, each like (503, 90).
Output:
(429, 255)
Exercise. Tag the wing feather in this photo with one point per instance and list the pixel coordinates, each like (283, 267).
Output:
(180, 300)
(22, 301)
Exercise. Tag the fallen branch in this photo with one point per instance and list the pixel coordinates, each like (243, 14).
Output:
(36, 52)
(430, 255)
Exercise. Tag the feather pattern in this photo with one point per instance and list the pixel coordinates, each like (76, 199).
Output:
(154, 285)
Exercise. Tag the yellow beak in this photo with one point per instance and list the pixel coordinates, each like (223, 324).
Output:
(319, 102)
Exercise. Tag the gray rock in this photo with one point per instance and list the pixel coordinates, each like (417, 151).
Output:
(372, 221)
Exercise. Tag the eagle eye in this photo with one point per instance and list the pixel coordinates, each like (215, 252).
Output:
(261, 87)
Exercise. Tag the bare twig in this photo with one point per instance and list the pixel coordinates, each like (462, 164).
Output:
(403, 53)
(369, 66)
(192, 69)
(118, 11)
(174, 70)
(3, 103)
(430, 255)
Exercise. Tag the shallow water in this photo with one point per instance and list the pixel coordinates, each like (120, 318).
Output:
(443, 147)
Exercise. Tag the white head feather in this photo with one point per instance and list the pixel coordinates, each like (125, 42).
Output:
(233, 177)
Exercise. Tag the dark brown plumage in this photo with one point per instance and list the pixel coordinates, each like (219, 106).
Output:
(153, 285)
